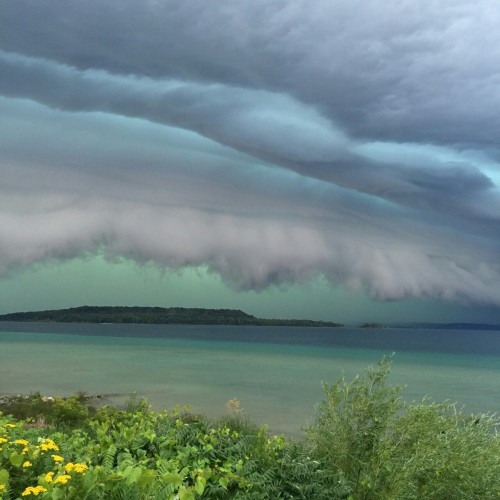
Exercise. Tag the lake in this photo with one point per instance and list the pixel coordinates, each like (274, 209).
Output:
(276, 372)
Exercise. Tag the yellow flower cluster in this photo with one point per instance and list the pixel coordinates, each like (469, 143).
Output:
(33, 490)
(48, 444)
(71, 467)
(63, 479)
(61, 474)
(68, 468)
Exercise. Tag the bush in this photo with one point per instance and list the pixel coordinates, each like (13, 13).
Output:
(69, 411)
(436, 452)
(386, 448)
(48, 411)
(32, 406)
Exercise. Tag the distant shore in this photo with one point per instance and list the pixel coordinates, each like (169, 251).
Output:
(158, 315)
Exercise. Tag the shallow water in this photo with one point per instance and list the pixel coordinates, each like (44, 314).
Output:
(275, 372)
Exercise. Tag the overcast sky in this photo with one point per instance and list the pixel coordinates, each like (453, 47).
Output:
(271, 146)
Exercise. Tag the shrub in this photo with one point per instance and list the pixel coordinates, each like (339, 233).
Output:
(436, 452)
(69, 411)
(32, 406)
(386, 448)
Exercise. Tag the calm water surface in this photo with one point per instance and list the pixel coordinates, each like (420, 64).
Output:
(276, 372)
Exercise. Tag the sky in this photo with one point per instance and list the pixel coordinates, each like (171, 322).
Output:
(324, 160)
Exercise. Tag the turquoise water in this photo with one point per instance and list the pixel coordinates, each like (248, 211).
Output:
(276, 373)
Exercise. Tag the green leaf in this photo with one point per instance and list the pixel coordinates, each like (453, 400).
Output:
(172, 478)
(147, 477)
(134, 475)
(186, 493)
(4, 476)
(16, 459)
(57, 494)
(200, 485)
(224, 481)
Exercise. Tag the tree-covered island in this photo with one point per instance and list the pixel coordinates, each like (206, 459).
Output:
(157, 315)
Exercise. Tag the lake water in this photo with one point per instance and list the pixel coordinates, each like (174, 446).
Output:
(276, 372)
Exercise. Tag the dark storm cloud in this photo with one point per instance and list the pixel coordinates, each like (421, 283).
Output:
(271, 141)
(269, 126)
(395, 71)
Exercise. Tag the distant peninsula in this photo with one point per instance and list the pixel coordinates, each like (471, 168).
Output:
(157, 315)
(448, 326)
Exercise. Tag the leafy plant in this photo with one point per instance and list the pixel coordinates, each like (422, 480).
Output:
(69, 411)
(386, 448)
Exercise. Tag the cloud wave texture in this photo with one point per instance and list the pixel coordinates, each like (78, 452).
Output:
(270, 142)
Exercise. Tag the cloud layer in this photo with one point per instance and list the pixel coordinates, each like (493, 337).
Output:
(270, 142)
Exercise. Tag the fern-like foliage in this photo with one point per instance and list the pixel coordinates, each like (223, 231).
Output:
(109, 458)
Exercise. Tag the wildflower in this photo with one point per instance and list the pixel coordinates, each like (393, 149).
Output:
(2, 440)
(48, 477)
(27, 464)
(21, 441)
(57, 458)
(2, 487)
(48, 444)
(62, 479)
(33, 490)
(80, 468)
(25, 449)
(12, 426)
(71, 467)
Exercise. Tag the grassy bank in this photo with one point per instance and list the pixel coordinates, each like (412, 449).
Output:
(365, 443)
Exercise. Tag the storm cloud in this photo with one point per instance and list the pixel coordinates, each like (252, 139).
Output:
(270, 142)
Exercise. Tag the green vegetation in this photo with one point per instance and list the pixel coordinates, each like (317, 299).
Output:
(157, 315)
(364, 443)
(386, 448)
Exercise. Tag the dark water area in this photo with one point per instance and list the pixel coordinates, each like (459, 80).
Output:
(482, 342)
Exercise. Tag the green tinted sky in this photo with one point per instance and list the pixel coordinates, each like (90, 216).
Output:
(94, 281)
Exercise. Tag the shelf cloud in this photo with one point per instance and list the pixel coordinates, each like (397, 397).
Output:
(271, 142)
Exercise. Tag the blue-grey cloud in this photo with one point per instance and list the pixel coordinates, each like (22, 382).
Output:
(270, 142)
(269, 126)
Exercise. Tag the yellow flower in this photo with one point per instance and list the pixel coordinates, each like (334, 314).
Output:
(48, 477)
(57, 458)
(80, 468)
(10, 425)
(27, 464)
(62, 479)
(25, 449)
(21, 441)
(71, 467)
(48, 444)
(2, 487)
(33, 490)
(3, 440)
